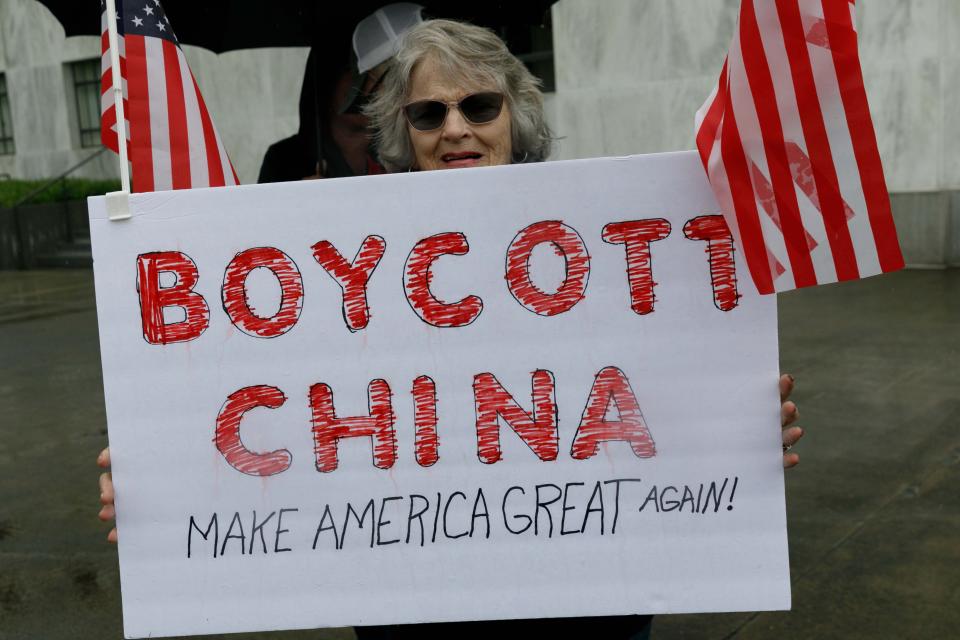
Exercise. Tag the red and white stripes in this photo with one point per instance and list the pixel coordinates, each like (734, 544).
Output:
(108, 112)
(172, 142)
(788, 144)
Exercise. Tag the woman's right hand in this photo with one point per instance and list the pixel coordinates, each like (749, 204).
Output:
(107, 511)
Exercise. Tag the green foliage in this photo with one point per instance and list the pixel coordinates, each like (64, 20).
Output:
(11, 191)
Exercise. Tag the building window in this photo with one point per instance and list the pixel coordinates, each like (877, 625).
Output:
(86, 88)
(6, 123)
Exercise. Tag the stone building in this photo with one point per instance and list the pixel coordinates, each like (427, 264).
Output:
(629, 75)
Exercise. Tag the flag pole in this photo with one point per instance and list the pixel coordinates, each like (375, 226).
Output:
(118, 94)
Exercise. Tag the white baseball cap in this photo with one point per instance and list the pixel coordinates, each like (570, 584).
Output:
(376, 38)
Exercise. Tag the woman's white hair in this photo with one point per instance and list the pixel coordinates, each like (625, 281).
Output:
(468, 53)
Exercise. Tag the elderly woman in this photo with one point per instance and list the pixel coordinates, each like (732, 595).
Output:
(455, 97)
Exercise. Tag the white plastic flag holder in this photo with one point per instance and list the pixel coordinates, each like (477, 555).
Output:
(118, 202)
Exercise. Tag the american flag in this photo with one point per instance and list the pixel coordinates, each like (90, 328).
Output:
(171, 140)
(790, 151)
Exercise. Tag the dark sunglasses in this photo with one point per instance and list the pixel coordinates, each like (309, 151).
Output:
(477, 108)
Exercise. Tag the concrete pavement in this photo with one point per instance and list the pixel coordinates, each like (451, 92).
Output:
(874, 510)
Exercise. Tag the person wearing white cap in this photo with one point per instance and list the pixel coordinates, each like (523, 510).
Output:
(333, 140)
(376, 38)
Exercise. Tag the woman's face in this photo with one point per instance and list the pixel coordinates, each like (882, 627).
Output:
(457, 143)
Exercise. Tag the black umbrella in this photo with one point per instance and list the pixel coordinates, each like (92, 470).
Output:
(326, 27)
(226, 25)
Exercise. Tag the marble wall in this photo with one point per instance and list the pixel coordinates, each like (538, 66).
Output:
(252, 96)
(632, 73)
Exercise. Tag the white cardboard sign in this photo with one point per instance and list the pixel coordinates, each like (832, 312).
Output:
(556, 395)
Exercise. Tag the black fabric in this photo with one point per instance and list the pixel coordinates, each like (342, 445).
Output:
(286, 160)
(299, 156)
(606, 627)
(228, 25)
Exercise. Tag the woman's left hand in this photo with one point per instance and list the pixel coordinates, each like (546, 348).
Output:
(788, 415)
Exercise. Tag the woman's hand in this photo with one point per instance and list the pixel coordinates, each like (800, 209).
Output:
(107, 512)
(788, 415)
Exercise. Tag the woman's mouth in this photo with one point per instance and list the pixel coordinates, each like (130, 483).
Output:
(461, 159)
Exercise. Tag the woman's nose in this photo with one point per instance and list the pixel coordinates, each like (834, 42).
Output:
(455, 126)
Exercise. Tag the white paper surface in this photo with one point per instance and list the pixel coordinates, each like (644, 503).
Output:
(704, 379)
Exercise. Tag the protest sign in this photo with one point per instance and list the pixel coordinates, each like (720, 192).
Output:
(527, 391)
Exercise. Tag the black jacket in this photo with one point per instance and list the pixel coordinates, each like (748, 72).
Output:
(298, 156)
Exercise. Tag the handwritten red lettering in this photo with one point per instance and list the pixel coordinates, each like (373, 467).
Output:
(636, 236)
(612, 385)
(228, 432)
(567, 244)
(426, 441)
(418, 277)
(352, 276)
(237, 304)
(538, 431)
(328, 429)
(154, 298)
(723, 270)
